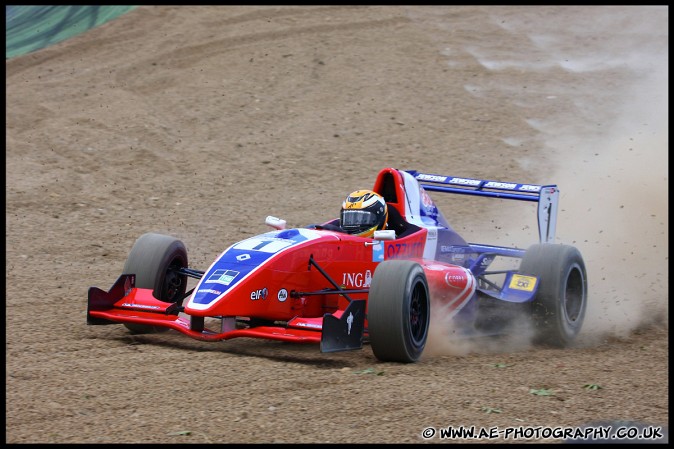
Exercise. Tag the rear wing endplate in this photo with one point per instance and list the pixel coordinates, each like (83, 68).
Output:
(547, 196)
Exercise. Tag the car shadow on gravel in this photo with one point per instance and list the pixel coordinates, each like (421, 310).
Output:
(305, 354)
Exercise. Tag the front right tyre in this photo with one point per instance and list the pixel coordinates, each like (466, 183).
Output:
(155, 259)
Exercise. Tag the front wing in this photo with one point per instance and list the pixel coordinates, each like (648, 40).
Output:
(124, 303)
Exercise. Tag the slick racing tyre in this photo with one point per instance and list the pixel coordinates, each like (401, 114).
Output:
(154, 259)
(398, 311)
(558, 310)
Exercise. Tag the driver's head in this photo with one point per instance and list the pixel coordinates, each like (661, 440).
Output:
(363, 212)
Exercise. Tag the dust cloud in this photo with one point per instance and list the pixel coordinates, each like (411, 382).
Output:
(614, 187)
(616, 206)
(610, 160)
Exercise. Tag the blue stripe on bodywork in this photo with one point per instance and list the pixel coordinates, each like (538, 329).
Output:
(244, 257)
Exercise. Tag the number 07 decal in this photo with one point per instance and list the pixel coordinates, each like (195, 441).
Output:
(264, 245)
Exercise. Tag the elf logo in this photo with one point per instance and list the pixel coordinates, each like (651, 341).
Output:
(258, 294)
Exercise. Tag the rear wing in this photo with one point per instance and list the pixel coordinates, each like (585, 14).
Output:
(547, 196)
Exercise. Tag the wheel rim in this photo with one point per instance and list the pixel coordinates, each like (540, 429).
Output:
(418, 314)
(173, 282)
(574, 297)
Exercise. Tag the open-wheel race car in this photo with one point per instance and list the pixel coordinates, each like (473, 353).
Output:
(317, 284)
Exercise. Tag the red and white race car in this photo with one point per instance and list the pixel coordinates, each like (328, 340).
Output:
(318, 285)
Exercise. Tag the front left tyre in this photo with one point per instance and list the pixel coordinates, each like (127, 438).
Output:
(398, 311)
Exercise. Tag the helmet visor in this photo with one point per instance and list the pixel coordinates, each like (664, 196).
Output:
(358, 219)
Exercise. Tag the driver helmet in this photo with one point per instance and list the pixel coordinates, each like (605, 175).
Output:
(363, 212)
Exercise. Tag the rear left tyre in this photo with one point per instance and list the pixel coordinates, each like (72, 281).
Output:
(558, 310)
